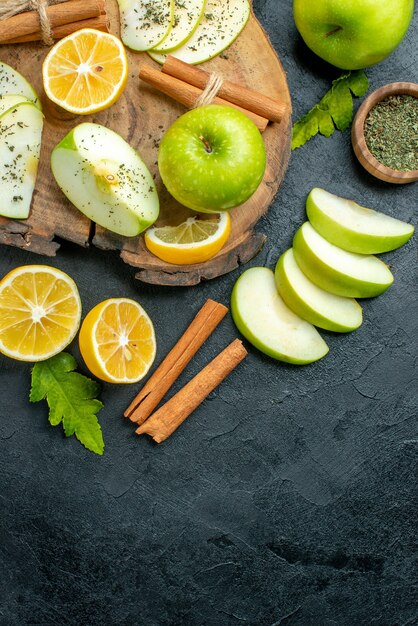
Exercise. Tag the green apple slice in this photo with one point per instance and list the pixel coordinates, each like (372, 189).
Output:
(187, 16)
(220, 25)
(20, 147)
(105, 178)
(264, 319)
(353, 227)
(313, 304)
(9, 101)
(11, 82)
(145, 23)
(336, 270)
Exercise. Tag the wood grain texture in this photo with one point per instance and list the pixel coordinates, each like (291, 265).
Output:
(141, 116)
(366, 158)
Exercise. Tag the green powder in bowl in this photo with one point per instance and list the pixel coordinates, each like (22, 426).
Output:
(391, 132)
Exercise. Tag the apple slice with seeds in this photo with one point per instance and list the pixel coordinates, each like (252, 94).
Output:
(264, 319)
(313, 304)
(20, 147)
(106, 179)
(353, 227)
(220, 25)
(145, 23)
(336, 270)
(187, 16)
(11, 82)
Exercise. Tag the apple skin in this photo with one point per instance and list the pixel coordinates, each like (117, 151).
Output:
(331, 279)
(362, 239)
(340, 310)
(269, 325)
(353, 34)
(212, 158)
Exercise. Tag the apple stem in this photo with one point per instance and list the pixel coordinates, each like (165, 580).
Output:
(331, 32)
(206, 143)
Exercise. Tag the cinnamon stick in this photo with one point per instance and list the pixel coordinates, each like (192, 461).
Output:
(26, 26)
(172, 414)
(188, 94)
(205, 322)
(233, 93)
(98, 23)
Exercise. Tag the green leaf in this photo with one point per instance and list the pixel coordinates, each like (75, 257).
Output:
(358, 83)
(335, 109)
(71, 398)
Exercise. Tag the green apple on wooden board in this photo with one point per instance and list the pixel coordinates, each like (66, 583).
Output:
(212, 158)
(264, 319)
(20, 146)
(336, 270)
(353, 227)
(145, 23)
(187, 16)
(353, 34)
(13, 83)
(105, 178)
(313, 304)
(220, 24)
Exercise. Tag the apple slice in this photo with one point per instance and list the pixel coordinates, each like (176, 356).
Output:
(9, 101)
(336, 270)
(263, 318)
(313, 304)
(353, 227)
(11, 82)
(20, 147)
(187, 16)
(220, 25)
(145, 23)
(105, 178)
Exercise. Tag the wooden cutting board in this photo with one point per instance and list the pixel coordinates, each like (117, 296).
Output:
(141, 116)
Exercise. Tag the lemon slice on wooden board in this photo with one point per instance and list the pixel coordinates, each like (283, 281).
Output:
(85, 72)
(194, 241)
(20, 148)
(40, 312)
(187, 16)
(117, 341)
(12, 82)
(220, 25)
(145, 23)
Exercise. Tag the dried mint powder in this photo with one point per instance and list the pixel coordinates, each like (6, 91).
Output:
(391, 132)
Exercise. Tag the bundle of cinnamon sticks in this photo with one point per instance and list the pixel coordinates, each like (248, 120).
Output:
(163, 422)
(64, 18)
(184, 83)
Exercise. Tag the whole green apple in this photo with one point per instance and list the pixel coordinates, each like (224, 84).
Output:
(352, 34)
(212, 158)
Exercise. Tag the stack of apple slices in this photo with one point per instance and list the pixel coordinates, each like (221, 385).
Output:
(21, 123)
(191, 30)
(316, 281)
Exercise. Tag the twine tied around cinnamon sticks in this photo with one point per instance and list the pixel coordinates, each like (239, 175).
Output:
(213, 87)
(23, 21)
(46, 28)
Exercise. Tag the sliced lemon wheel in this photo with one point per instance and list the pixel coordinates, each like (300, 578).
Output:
(40, 312)
(117, 341)
(194, 241)
(85, 72)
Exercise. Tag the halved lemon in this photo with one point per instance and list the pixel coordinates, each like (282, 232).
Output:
(40, 312)
(117, 341)
(85, 72)
(194, 241)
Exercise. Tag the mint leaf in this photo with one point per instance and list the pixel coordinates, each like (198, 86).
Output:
(335, 109)
(71, 398)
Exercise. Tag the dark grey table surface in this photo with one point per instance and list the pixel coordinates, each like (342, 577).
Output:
(289, 497)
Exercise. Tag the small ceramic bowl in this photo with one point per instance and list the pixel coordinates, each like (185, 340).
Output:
(366, 158)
